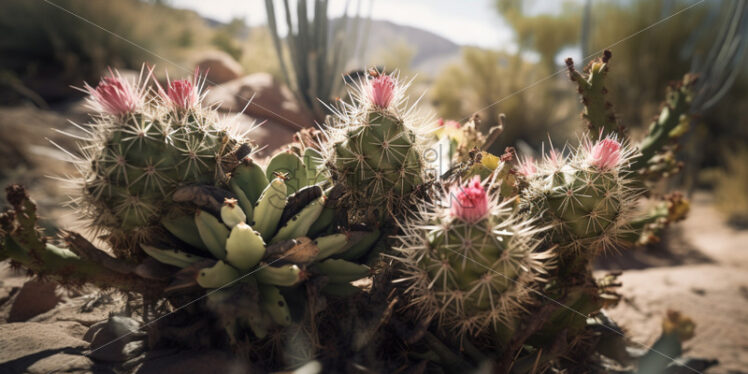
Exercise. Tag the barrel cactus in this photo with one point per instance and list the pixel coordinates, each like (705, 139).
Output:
(587, 197)
(469, 261)
(375, 147)
(140, 148)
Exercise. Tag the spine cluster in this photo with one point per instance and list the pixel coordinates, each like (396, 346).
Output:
(587, 197)
(375, 147)
(469, 261)
(142, 145)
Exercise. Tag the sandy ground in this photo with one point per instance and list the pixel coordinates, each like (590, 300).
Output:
(708, 282)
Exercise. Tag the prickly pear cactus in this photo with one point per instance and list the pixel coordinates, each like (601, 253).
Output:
(376, 147)
(469, 262)
(587, 197)
(139, 149)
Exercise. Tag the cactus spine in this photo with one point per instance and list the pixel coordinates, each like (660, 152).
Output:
(375, 147)
(469, 261)
(140, 150)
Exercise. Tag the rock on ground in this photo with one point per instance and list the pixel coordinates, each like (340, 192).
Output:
(219, 67)
(271, 100)
(41, 347)
(34, 298)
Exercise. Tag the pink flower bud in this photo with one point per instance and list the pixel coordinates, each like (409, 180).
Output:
(182, 94)
(471, 203)
(381, 90)
(527, 167)
(452, 124)
(606, 154)
(114, 95)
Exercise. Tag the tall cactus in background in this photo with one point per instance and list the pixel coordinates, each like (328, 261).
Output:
(317, 51)
(138, 151)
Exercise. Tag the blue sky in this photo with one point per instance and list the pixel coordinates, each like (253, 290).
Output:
(471, 22)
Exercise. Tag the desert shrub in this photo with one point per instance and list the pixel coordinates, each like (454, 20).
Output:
(489, 82)
(50, 47)
(259, 55)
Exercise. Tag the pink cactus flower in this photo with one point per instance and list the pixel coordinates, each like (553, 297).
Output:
(449, 124)
(381, 90)
(527, 167)
(182, 94)
(471, 203)
(114, 95)
(555, 159)
(605, 154)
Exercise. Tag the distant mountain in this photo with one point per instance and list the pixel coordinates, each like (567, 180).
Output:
(431, 51)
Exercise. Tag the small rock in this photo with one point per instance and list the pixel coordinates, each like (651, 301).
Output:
(61, 363)
(219, 67)
(115, 340)
(272, 101)
(23, 343)
(34, 298)
(86, 310)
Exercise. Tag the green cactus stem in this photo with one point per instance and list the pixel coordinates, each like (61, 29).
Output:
(598, 112)
(587, 198)
(670, 124)
(469, 263)
(76, 264)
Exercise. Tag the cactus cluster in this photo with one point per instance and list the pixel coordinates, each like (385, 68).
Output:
(489, 261)
(375, 147)
(469, 261)
(140, 148)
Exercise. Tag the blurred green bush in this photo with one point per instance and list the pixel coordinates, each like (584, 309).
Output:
(50, 46)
